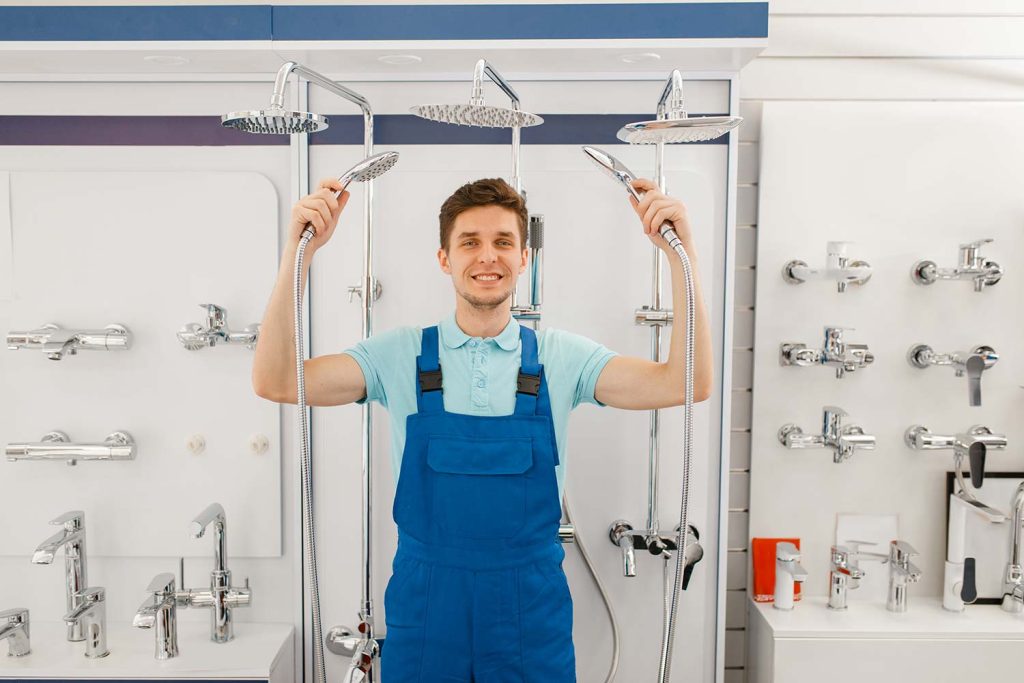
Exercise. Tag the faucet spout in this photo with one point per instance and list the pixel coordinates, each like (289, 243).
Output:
(213, 513)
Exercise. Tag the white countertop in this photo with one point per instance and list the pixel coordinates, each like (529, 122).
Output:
(925, 619)
(252, 654)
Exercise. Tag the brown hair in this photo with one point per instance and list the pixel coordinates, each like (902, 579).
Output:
(483, 192)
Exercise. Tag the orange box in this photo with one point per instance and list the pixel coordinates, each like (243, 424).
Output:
(763, 560)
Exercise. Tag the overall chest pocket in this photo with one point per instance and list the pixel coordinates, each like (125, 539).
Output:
(479, 485)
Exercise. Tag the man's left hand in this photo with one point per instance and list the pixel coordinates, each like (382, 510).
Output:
(656, 208)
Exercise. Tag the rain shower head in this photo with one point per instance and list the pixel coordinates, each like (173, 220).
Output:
(476, 113)
(274, 121)
(672, 125)
(686, 129)
(483, 115)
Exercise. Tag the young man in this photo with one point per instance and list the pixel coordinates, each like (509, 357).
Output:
(479, 407)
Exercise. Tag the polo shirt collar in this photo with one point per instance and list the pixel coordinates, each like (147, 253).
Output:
(453, 336)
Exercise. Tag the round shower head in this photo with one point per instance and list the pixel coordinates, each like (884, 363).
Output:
(370, 168)
(476, 115)
(274, 121)
(686, 129)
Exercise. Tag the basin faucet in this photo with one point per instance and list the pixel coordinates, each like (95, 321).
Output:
(843, 440)
(14, 629)
(92, 615)
(1013, 581)
(72, 538)
(901, 572)
(221, 597)
(845, 572)
(971, 363)
(159, 611)
(972, 266)
(835, 352)
(788, 572)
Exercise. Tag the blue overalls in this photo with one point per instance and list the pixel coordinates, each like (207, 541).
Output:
(477, 593)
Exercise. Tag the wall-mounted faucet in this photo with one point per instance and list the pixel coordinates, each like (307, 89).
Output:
(221, 597)
(628, 540)
(835, 352)
(1013, 580)
(91, 615)
(845, 572)
(195, 336)
(159, 611)
(843, 440)
(57, 446)
(971, 363)
(972, 266)
(56, 342)
(838, 268)
(974, 444)
(72, 538)
(788, 572)
(901, 572)
(14, 628)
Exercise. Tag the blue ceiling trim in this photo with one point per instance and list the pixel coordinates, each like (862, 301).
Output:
(140, 22)
(384, 22)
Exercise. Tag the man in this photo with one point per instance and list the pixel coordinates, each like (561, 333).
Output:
(479, 407)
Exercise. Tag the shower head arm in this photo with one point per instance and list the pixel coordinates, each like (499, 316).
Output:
(277, 100)
(483, 67)
(673, 88)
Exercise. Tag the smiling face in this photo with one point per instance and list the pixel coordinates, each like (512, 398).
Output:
(485, 256)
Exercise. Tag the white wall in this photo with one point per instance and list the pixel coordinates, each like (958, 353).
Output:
(844, 50)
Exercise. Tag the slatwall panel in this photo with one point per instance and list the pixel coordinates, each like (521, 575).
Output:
(844, 50)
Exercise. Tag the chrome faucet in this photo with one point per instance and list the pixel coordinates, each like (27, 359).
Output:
(972, 266)
(221, 597)
(845, 570)
(72, 539)
(974, 444)
(1013, 581)
(836, 353)
(91, 614)
(843, 440)
(160, 611)
(194, 336)
(837, 267)
(14, 629)
(629, 540)
(901, 572)
(56, 342)
(972, 363)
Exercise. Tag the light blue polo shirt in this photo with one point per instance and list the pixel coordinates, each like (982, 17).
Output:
(479, 376)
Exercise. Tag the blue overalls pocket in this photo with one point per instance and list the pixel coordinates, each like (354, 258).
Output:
(479, 485)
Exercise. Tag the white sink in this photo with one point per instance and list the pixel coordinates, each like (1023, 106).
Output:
(259, 652)
(867, 642)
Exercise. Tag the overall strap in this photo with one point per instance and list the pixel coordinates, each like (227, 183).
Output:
(529, 384)
(429, 395)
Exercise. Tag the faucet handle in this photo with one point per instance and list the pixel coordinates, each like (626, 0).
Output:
(73, 520)
(837, 412)
(786, 552)
(977, 244)
(969, 588)
(901, 551)
(16, 615)
(216, 315)
(161, 584)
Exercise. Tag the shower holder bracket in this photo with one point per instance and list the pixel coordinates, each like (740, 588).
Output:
(357, 290)
(653, 317)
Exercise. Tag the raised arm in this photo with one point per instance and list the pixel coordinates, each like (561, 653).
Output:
(642, 384)
(330, 380)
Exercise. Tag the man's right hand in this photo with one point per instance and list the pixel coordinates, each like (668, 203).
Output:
(321, 209)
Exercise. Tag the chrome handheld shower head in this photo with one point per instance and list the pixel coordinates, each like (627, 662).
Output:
(367, 169)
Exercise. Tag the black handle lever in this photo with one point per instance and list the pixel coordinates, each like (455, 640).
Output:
(968, 589)
(976, 453)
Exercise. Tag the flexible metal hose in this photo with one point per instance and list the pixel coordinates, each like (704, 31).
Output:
(308, 527)
(614, 666)
(665, 665)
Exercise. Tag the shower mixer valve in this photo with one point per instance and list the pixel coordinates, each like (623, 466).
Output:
(842, 439)
(972, 363)
(838, 268)
(628, 540)
(835, 352)
(194, 336)
(56, 342)
(983, 272)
